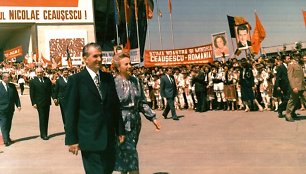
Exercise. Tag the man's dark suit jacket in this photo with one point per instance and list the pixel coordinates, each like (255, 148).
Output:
(198, 82)
(59, 89)
(92, 122)
(9, 99)
(281, 79)
(40, 93)
(167, 89)
(240, 45)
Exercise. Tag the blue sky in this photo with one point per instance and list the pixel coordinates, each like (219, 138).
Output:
(195, 20)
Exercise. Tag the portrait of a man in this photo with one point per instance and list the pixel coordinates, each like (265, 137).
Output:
(243, 37)
(220, 45)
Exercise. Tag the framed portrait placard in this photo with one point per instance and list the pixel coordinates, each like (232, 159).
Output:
(243, 36)
(220, 44)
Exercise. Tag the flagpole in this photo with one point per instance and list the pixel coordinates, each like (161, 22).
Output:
(116, 16)
(149, 37)
(159, 28)
(171, 22)
(172, 30)
(126, 20)
(136, 17)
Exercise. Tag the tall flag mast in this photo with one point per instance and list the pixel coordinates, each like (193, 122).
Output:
(116, 15)
(159, 14)
(149, 15)
(170, 11)
(136, 18)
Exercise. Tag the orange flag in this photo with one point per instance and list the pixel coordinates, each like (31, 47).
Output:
(304, 14)
(149, 11)
(45, 61)
(258, 35)
(170, 6)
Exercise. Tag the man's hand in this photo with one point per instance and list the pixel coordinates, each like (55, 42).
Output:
(35, 106)
(121, 138)
(295, 90)
(74, 148)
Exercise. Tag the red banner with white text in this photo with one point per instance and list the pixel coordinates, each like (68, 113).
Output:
(194, 55)
(13, 53)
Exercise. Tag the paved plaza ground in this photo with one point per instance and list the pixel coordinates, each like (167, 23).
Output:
(214, 142)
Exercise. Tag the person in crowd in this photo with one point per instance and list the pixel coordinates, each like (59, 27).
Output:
(40, 95)
(247, 84)
(59, 92)
(132, 102)
(9, 98)
(217, 78)
(21, 83)
(168, 90)
(297, 87)
(282, 84)
(200, 89)
(221, 48)
(93, 118)
(229, 87)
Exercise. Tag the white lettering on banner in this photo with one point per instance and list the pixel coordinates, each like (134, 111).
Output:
(199, 56)
(167, 58)
(81, 12)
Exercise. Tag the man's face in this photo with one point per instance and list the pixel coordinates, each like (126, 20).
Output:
(6, 77)
(39, 72)
(243, 36)
(65, 73)
(94, 59)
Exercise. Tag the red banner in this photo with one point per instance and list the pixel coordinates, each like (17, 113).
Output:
(40, 3)
(9, 54)
(194, 55)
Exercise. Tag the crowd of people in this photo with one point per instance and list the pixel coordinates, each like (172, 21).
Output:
(213, 86)
(93, 91)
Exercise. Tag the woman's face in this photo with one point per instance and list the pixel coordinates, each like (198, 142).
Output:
(220, 43)
(125, 66)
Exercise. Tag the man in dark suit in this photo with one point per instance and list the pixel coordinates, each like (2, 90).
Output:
(8, 100)
(282, 84)
(40, 94)
(168, 90)
(93, 115)
(59, 91)
(197, 80)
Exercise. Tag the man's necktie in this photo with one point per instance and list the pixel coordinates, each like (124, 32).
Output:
(97, 82)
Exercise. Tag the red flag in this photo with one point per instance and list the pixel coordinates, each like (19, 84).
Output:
(45, 61)
(126, 11)
(170, 6)
(258, 35)
(149, 12)
(127, 46)
(304, 14)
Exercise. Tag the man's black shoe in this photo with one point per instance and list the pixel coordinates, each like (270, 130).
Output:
(45, 138)
(175, 118)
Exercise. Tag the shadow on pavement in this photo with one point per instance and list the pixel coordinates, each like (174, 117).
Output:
(56, 134)
(161, 173)
(25, 138)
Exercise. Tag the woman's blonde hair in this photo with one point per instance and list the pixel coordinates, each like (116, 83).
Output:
(117, 58)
